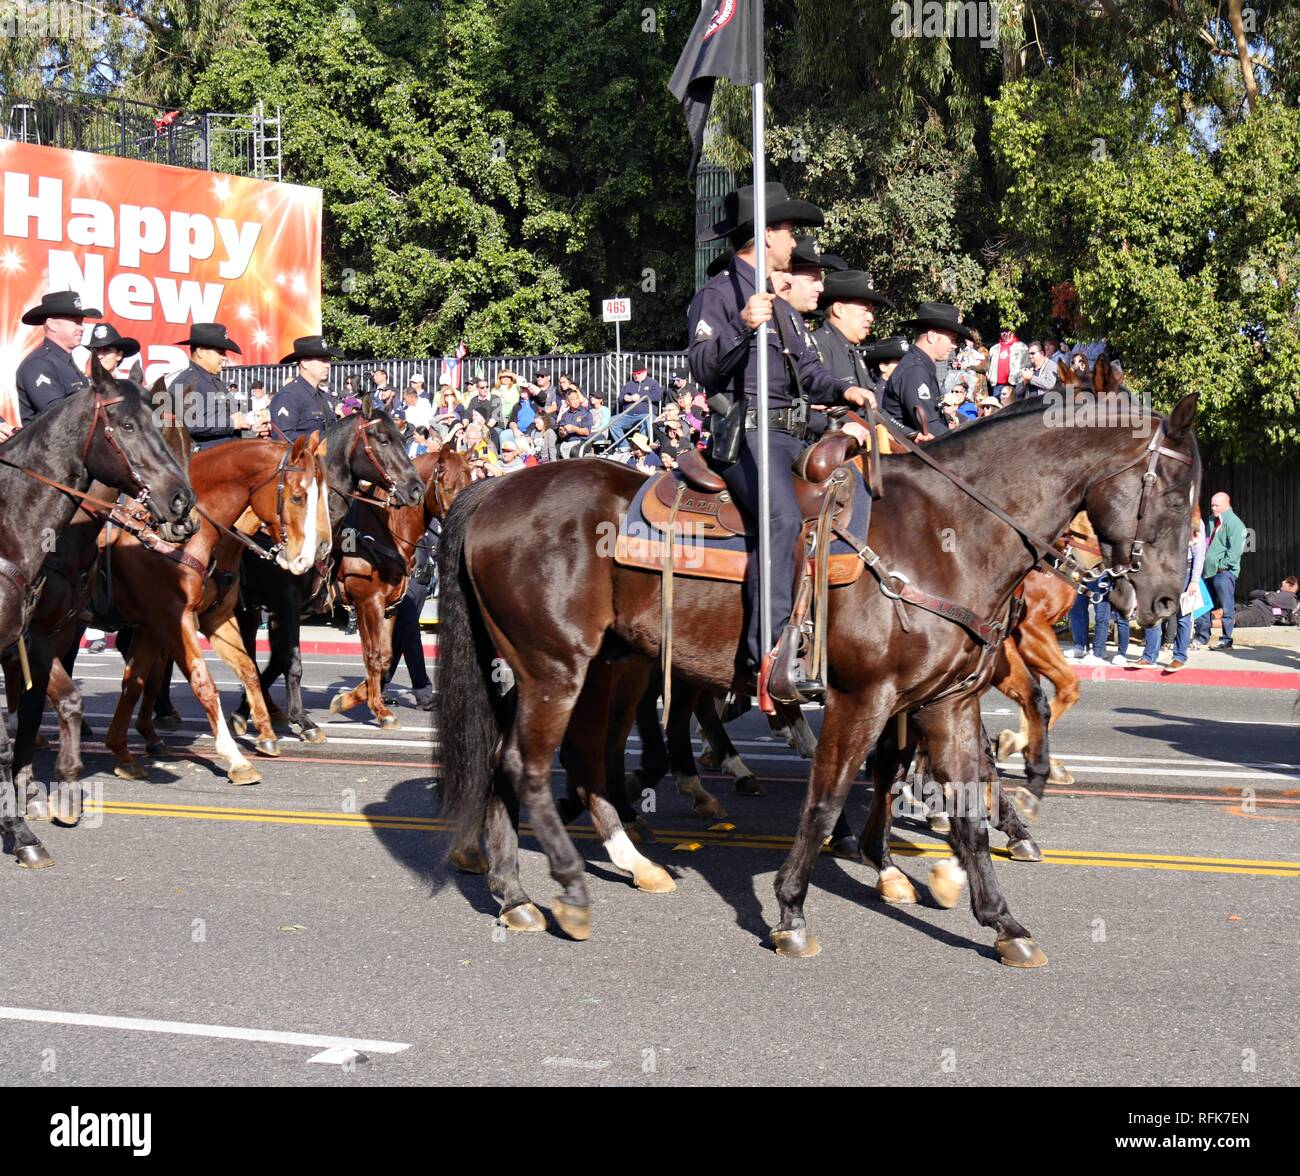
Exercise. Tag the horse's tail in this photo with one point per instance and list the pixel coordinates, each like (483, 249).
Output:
(469, 726)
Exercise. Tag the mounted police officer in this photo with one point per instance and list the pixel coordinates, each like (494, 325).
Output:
(849, 305)
(723, 323)
(109, 347)
(303, 405)
(912, 396)
(48, 374)
(882, 358)
(199, 397)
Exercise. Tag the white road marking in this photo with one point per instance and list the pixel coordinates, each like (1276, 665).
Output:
(317, 1041)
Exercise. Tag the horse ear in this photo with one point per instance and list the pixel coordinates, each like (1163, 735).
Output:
(1064, 372)
(322, 448)
(299, 444)
(1183, 416)
(157, 389)
(1103, 376)
(367, 406)
(313, 440)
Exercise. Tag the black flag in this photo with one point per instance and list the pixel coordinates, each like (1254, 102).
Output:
(721, 45)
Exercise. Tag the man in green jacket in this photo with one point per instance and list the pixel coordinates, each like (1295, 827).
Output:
(1222, 567)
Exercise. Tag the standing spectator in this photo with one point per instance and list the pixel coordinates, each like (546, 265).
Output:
(542, 438)
(385, 395)
(486, 406)
(1195, 561)
(259, 407)
(1222, 567)
(417, 383)
(685, 401)
(506, 392)
(1038, 377)
(1006, 359)
(575, 423)
(1101, 629)
(542, 382)
(416, 410)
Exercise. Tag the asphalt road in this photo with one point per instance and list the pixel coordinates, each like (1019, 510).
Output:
(312, 904)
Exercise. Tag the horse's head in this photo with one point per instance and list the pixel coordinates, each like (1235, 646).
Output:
(124, 448)
(1142, 514)
(377, 454)
(294, 503)
(451, 472)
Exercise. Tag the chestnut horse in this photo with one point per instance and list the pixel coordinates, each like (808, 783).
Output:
(170, 601)
(373, 574)
(104, 434)
(1035, 472)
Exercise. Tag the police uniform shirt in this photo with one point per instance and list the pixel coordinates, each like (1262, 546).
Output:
(298, 408)
(202, 403)
(724, 352)
(838, 355)
(914, 384)
(45, 377)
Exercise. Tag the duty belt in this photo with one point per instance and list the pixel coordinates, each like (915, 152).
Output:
(792, 420)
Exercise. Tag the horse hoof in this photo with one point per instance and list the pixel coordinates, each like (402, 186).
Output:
(707, 760)
(709, 810)
(1059, 773)
(749, 786)
(245, 774)
(238, 723)
(1024, 850)
(846, 848)
(65, 805)
(895, 887)
(156, 747)
(797, 944)
(946, 881)
(33, 857)
(389, 722)
(312, 735)
(1008, 744)
(525, 917)
(130, 770)
(1026, 803)
(267, 747)
(1022, 952)
(336, 703)
(654, 880)
(38, 809)
(470, 861)
(939, 824)
(171, 721)
(574, 920)
(640, 832)
(40, 742)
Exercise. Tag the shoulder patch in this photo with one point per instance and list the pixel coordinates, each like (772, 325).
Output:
(923, 391)
(283, 411)
(43, 379)
(703, 330)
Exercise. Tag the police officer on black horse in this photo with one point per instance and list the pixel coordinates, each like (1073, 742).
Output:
(199, 397)
(723, 323)
(48, 373)
(302, 405)
(849, 305)
(912, 395)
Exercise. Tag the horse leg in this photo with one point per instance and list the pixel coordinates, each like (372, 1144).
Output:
(31, 708)
(248, 619)
(955, 736)
(1020, 845)
(139, 662)
(654, 751)
(681, 755)
(892, 885)
(722, 751)
(30, 853)
(146, 720)
(228, 646)
(189, 655)
(850, 727)
(68, 767)
(376, 650)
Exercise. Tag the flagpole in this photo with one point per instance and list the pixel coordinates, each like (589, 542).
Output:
(760, 285)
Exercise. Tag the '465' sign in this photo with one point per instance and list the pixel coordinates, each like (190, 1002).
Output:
(617, 310)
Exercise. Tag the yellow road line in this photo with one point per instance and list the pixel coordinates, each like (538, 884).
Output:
(760, 841)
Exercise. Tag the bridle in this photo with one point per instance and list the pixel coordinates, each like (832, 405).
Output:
(279, 528)
(360, 435)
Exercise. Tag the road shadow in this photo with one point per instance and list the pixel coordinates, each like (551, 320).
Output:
(1206, 737)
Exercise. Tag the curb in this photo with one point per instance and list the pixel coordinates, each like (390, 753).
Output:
(1229, 679)
(317, 647)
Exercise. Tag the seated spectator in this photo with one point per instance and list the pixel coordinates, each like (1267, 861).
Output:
(599, 413)
(416, 383)
(506, 391)
(487, 407)
(542, 384)
(684, 398)
(513, 455)
(475, 445)
(1270, 608)
(419, 442)
(641, 394)
(541, 437)
(416, 410)
(642, 456)
(512, 433)
(988, 405)
(673, 436)
(575, 423)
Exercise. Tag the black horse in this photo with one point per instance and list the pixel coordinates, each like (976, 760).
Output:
(107, 434)
(366, 447)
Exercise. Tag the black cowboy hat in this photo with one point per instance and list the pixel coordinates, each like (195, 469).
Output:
(938, 316)
(311, 347)
(59, 304)
(105, 336)
(886, 350)
(850, 286)
(210, 335)
(738, 212)
(808, 255)
(719, 263)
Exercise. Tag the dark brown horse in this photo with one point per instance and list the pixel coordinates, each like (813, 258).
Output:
(103, 434)
(1032, 461)
(373, 574)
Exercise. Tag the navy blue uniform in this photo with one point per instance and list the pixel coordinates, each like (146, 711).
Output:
(724, 358)
(45, 377)
(914, 384)
(202, 402)
(298, 408)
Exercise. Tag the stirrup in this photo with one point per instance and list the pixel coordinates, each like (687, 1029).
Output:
(785, 678)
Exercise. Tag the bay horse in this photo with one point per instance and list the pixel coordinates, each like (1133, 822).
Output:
(365, 447)
(170, 600)
(373, 575)
(1136, 478)
(105, 433)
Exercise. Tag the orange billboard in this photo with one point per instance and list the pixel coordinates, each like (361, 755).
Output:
(156, 248)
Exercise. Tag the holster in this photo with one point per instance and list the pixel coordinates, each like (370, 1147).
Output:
(726, 427)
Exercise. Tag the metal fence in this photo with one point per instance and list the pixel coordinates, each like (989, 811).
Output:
(1267, 500)
(601, 372)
